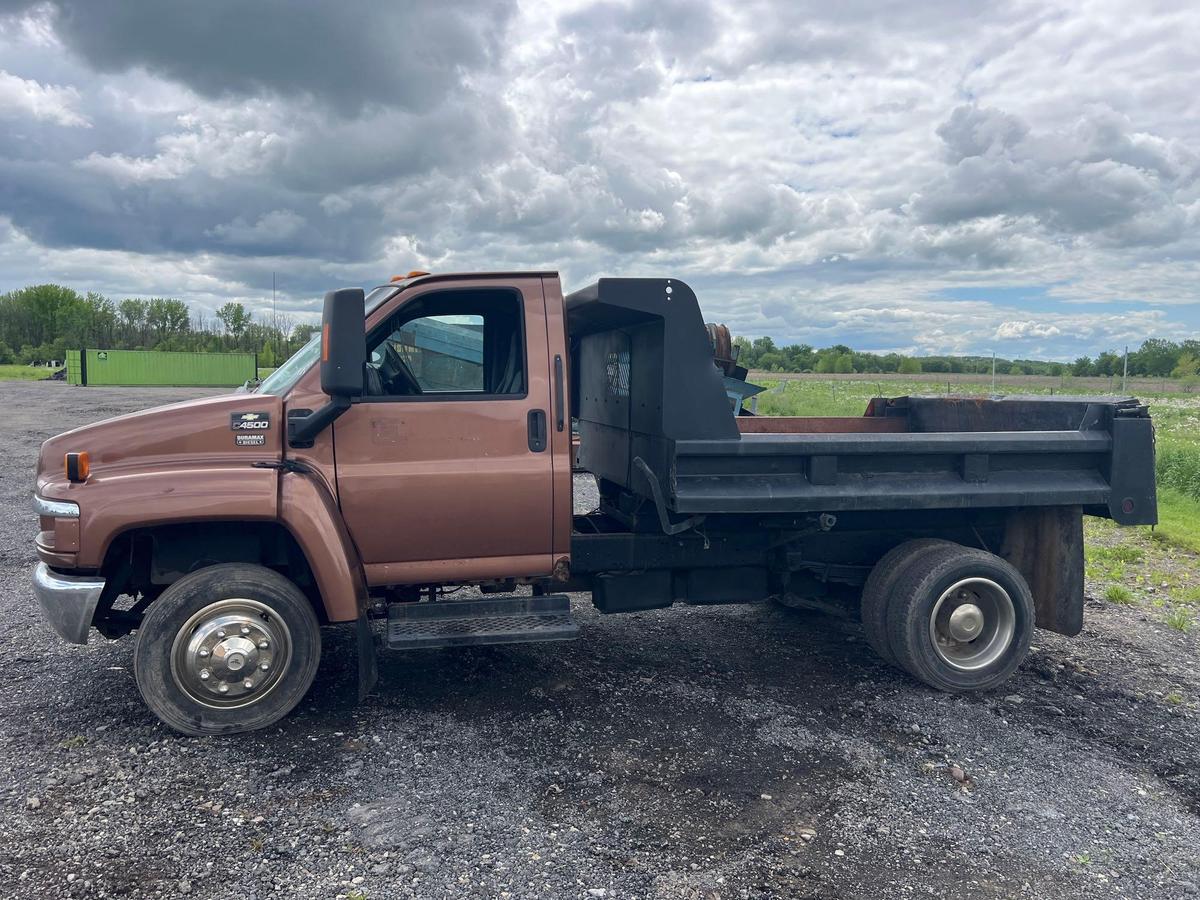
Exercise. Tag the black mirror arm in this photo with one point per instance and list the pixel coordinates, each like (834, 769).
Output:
(303, 428)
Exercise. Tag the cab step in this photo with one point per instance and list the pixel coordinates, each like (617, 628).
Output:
(462, 623)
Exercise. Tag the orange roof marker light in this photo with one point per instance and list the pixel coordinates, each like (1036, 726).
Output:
(413, 274)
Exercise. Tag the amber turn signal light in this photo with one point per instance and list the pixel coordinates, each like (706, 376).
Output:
(77, 465)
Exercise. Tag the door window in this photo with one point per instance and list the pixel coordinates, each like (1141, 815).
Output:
(449, 344)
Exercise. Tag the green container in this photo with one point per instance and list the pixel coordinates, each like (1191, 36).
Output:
(74, 367)
(152, 367)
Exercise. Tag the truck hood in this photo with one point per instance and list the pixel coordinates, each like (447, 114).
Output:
(235, 429)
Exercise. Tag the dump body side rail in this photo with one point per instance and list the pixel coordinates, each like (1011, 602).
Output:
(1095, 469)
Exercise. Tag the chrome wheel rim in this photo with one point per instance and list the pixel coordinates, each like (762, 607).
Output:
(231, 654)
(972, 624)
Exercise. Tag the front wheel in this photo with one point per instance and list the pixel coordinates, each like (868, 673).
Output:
(228, 648)
(960, 619)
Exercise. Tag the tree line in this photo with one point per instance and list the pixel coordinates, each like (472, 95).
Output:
(40, 323)
(1156, 357)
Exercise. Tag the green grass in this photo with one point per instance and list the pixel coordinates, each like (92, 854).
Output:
(1178, 520)
(1175, 414)
(1125, 553)
(1118, 593)
(827, 398)
(23, 373)
(263, 372)
(1177, 464)
(1181, 618)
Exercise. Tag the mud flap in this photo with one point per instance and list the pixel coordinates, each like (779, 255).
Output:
(368, 666)
(1046, 546)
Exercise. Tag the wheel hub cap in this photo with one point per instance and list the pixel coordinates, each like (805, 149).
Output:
(966, 622)
(973, 623)
(231, 653)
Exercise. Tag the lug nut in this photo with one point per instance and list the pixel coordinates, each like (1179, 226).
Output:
(205, 674)
(245, 630)
(265, 666)
(221, 633)
(247, 684)
(224, 689)
(263, 645)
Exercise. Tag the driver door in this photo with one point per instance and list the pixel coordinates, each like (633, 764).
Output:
(444, 470)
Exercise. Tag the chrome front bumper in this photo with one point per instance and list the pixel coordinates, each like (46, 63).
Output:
(68, 602)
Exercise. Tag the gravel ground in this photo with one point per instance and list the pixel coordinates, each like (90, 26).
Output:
(742, 751)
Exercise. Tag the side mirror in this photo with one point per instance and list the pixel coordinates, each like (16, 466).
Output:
(343, 343)
(343, 361)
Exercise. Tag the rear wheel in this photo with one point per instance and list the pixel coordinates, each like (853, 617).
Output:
(960, 619)
(228, 648)
(877, 592)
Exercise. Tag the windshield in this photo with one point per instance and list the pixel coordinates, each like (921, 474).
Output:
(281, 380)
(379, 295)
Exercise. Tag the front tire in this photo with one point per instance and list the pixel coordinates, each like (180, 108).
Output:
(960, 619)
(226, 649)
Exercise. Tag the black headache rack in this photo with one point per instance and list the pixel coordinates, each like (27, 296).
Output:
(654, 421)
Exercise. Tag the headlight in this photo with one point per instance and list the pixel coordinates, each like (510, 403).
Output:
(59, 509)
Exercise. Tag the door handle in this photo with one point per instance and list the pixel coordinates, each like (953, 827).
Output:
(537, 430)
(559, 412)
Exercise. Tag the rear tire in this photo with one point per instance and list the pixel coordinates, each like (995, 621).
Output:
(881, 583)
(961, 619)
(226, 649)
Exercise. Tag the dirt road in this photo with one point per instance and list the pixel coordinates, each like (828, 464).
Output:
(722, 752)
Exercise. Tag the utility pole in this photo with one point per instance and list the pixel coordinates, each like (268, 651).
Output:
(274, 319)
(1125, 374)
(993, 371)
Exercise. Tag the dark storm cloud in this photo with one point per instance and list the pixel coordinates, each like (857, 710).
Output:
(69, 207)
(261, 175)
(408, 55)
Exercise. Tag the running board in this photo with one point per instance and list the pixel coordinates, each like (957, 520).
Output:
(516, 620)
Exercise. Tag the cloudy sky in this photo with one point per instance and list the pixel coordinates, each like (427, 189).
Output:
(925, 177)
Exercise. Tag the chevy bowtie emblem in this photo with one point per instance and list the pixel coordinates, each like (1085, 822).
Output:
(249, 417)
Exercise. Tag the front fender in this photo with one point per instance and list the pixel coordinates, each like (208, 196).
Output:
(117, 502)
(310, 513)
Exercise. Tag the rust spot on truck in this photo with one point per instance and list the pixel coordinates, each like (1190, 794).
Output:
(562, 569)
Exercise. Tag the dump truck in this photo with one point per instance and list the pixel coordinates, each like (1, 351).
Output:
(422, 443)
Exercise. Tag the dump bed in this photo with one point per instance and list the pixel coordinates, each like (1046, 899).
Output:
(654, 420)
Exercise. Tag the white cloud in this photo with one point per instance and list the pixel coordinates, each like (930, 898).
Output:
(21, 97)
(136, 170)
(1025, 329)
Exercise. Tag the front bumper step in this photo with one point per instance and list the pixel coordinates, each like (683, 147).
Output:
(516, 620)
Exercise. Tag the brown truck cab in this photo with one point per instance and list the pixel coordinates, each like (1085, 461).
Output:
(432, 449)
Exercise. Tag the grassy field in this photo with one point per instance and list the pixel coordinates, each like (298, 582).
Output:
(23, 373)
